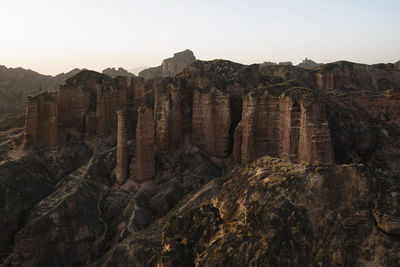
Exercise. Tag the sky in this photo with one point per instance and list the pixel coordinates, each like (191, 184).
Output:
(54, 36)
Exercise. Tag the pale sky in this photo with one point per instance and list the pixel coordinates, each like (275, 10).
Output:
(53, 36)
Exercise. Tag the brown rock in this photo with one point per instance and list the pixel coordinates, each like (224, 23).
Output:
(122, 150)
(211, 122)
(281, 127)
(170, 66)
(41, 121)
(145, 156)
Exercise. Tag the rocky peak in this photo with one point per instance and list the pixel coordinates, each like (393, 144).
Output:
(308, 64)
(170, 66)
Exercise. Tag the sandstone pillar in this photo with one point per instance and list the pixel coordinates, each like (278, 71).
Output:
(145, 156)
(122, 149)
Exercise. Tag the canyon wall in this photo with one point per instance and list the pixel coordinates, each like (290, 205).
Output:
(280, 127)
(225, 110)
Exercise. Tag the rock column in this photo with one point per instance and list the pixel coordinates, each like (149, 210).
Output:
(122, 149)
(145, 156)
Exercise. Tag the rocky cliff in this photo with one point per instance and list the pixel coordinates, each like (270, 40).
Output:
(221, 159)
(170, 66)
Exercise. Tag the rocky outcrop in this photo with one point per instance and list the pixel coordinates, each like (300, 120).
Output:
(122, 150)
(41, 121)
(112, 72)
(170, 66)
(144, 168)
(289, 214)
(308, 64)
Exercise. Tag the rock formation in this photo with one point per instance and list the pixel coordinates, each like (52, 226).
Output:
(122, 150)
(179, 135)
(280, 127)
(211, 122)
(18, 83)
(112, 72)
(41, 121)
(170, 66)
(145, 156)
(308, 64)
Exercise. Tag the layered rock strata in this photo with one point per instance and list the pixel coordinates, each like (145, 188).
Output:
(145, 155)
(41, 121)
(280, 127)
(122, 150)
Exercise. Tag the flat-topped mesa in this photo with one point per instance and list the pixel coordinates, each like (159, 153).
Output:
(282, 126)
(144, 168)
(122, 149)
(41, 121)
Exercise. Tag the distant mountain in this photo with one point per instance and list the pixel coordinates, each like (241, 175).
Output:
(17, 83)
(117, 72)
(137, 70)
(308, 64)
(269, 63)
(170, 66)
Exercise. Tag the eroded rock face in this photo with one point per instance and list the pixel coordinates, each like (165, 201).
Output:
(122, 149)
(281, 127)
(211, 122)
(145, 155)
(41, 121)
